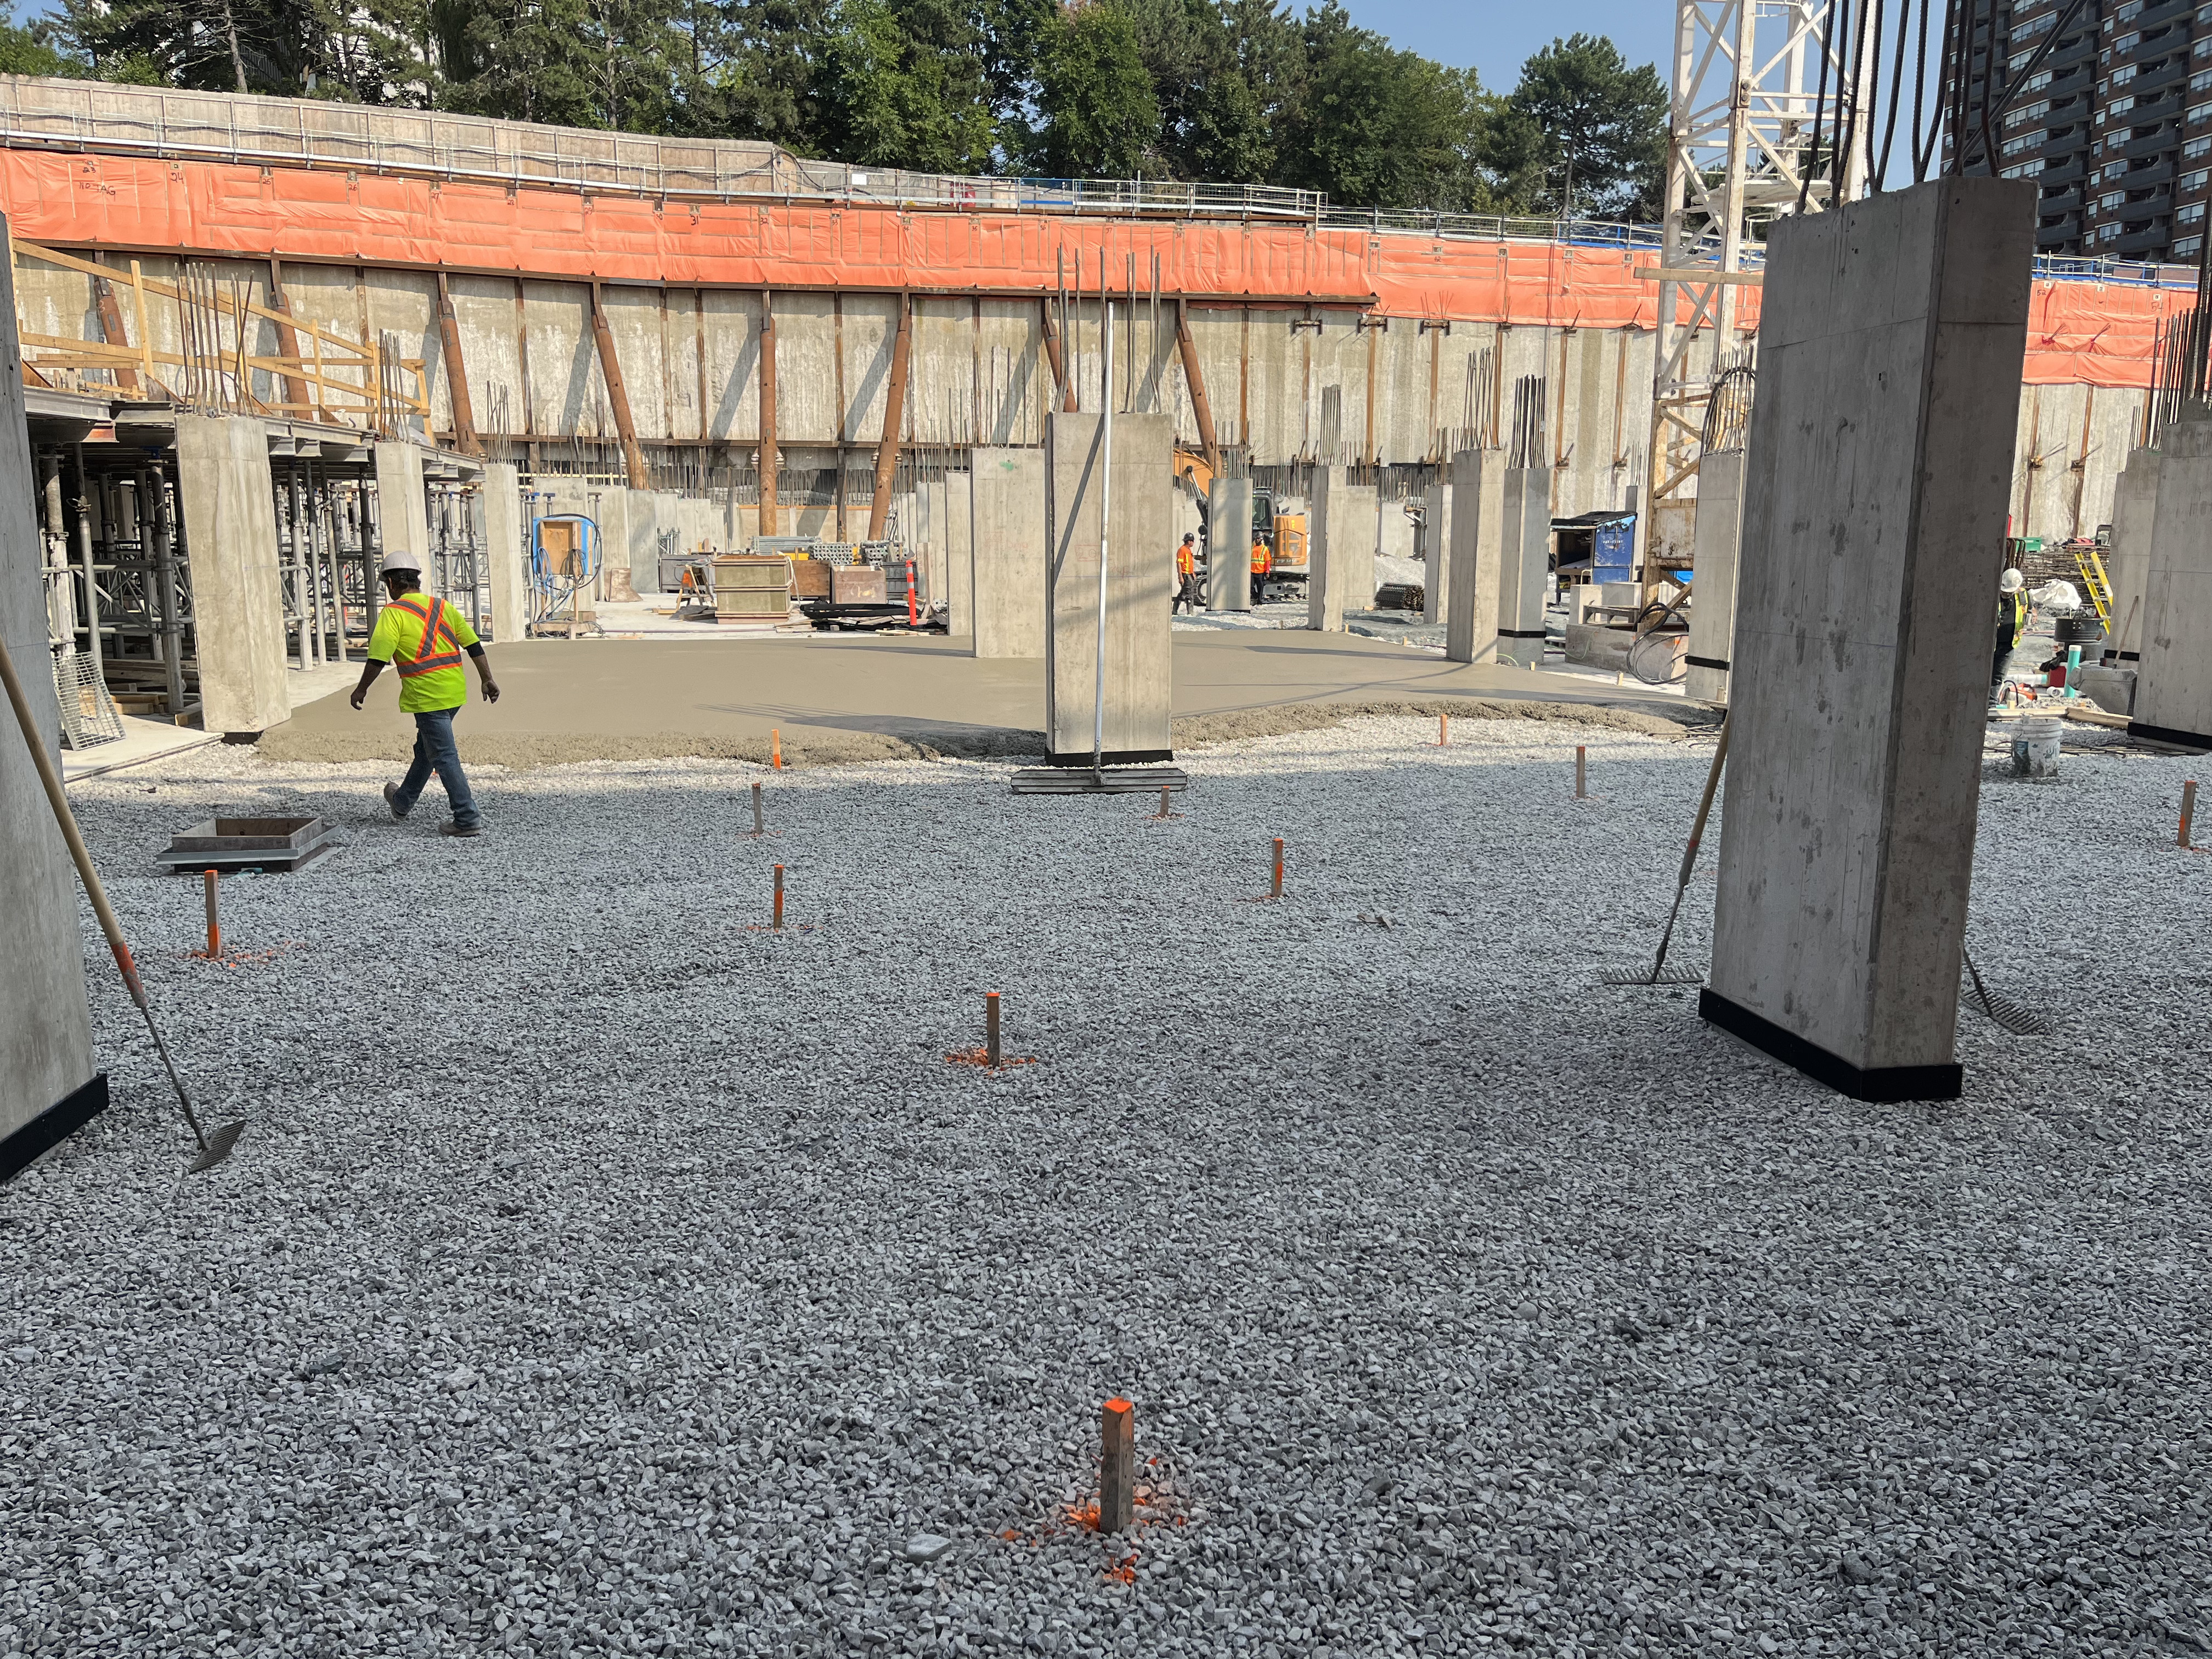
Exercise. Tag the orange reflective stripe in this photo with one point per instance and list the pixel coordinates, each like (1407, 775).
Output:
(427, 659)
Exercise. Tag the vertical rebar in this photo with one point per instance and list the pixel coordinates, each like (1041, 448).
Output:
(2188, 810)
(759, 827)
(777, 921)
(1276, 889)
(213, 922)
(991, 1030)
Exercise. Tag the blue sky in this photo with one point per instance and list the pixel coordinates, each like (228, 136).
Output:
(1496, 39)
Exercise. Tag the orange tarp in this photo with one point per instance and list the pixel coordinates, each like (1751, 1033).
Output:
(2089, 333)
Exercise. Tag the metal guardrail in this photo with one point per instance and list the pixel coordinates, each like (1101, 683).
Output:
(37, 112)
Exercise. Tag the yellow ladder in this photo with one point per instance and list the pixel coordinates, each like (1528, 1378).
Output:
(2092, 567)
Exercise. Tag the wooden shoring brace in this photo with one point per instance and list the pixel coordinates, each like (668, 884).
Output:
(296, 398)
(617, 393)
(1195, 377)
(887, 447)
(1057, 358)
(457, 374)
(769, 517)
(110, 330)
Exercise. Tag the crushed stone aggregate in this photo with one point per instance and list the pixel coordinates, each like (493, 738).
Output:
(604, 1273)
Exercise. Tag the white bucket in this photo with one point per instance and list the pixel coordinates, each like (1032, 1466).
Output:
(2035, 747)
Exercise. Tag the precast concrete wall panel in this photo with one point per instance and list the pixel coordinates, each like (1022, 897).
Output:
(484, 307)
(732, 330)
(2134, 520)
(632, 317)
(223, 484)
(870, 332)
(405, 305)
(1010, 343)
(683, 392)
(1278, 381)
(2174, 688)
(805, 369)
(567, 397)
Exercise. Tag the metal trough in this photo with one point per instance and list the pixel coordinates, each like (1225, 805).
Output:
(265, 844)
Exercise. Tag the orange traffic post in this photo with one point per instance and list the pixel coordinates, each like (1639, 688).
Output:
(779, 898)
(1276, 891)
(775, 749)
(759, 827)
(1117, 1466)
(913, 612)
(1582, 790)
(991, 1030)
(215, 925)
(2188, 810)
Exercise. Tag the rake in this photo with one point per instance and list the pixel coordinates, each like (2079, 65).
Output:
(213, 1148)
(2002, 1011)
(1658, 974)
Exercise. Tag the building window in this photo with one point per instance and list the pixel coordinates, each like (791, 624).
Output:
(2036, 112)
(2025, 142)
(2187, 248)
(2108, 232)
(2200, 81)
(2200, 112)
(2193, 180)
(2106, 203)
(2196, 147)
(2021, 171)
(2114, 169)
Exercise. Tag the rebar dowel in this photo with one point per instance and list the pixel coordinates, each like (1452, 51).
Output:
(1163, 800)
(214, 923)
(778, 918)
(1276, 890)
(760, 826)
(991, 1028)
(2188, 810)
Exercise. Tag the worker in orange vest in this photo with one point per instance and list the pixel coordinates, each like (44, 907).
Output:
(1263, 561)
(1186, 575)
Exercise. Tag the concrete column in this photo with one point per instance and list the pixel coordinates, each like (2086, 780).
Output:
(1476, 554)
(1875, 490)
(1229, 545)
(1524, 568)
(507, 562)
(1436, 548)
(1712, 593)
(48, 1088)
(238, 582)
(2135, 518)
(2173, 678)
(1141, 589)
(930, 510)
(1009, 551)
(960, 554)
(1340, 556)
(403, 510)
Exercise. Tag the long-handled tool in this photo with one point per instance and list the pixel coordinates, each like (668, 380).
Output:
(1659, 976)
(215, 1148)
(2003, 1010)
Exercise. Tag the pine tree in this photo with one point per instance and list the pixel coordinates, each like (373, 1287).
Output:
(1600, 127)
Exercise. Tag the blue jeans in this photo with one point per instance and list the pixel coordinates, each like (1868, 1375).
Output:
(435, 751)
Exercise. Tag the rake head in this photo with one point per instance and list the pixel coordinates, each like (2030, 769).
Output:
(1671, 976)
(2002, 1011)
(217, 1147)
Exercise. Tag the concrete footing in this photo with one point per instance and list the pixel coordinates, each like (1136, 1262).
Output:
(1139, 589)
(1008, 541)
(226, 490)
(1524, 572)
(1341, 549)
(1875, 492)
(1229, 545)
(2173, 678)
(1715, 544)
(1477, 550)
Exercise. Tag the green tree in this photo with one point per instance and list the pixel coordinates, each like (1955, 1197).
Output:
(609, 64)
(1212, 123)
(30, 50)
(1376, 127)
(214, 45)
(903, 84)
(750, 70)
(1596, 127)
(1101, 113)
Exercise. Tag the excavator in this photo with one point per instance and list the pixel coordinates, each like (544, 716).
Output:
(1285, 534)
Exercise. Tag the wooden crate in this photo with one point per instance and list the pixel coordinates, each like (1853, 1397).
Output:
(748, 588)
(857, 585)
(809, 578)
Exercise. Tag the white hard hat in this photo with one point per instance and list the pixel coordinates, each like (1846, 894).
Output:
(2011, 581)
(400, 559)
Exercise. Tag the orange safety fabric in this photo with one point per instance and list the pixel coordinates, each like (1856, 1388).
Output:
(2095, 333)
(434, 632)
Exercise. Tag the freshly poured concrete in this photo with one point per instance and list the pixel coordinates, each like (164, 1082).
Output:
(238, 584)
(1715, 544)
(1874, 497)
(1476, 556)
(2127, 566)
(45, 1027)
(839, 697)
(1229, 545)
(2173, 683)
(1135, 520)
(1009, 545)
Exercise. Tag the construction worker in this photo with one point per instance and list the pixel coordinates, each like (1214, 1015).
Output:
(2012, 623)
(425, 637)
(1263, 561)
(1186, 575)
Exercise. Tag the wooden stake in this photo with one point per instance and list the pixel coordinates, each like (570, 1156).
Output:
(775, 749)
(214, 928)
(2188, 810)
(991, 1028)
(779, 898)
(1276, 890)
(1444, 731)
(1582, 791)
(1163, 800)
(759, 827)
(1117, 1466)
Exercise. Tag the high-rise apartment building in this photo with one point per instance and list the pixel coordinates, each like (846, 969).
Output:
(2114, 121)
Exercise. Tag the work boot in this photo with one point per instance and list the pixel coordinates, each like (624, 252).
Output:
(449, 828)
(391, 802)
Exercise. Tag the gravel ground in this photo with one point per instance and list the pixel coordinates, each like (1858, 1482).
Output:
(604, 1274)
